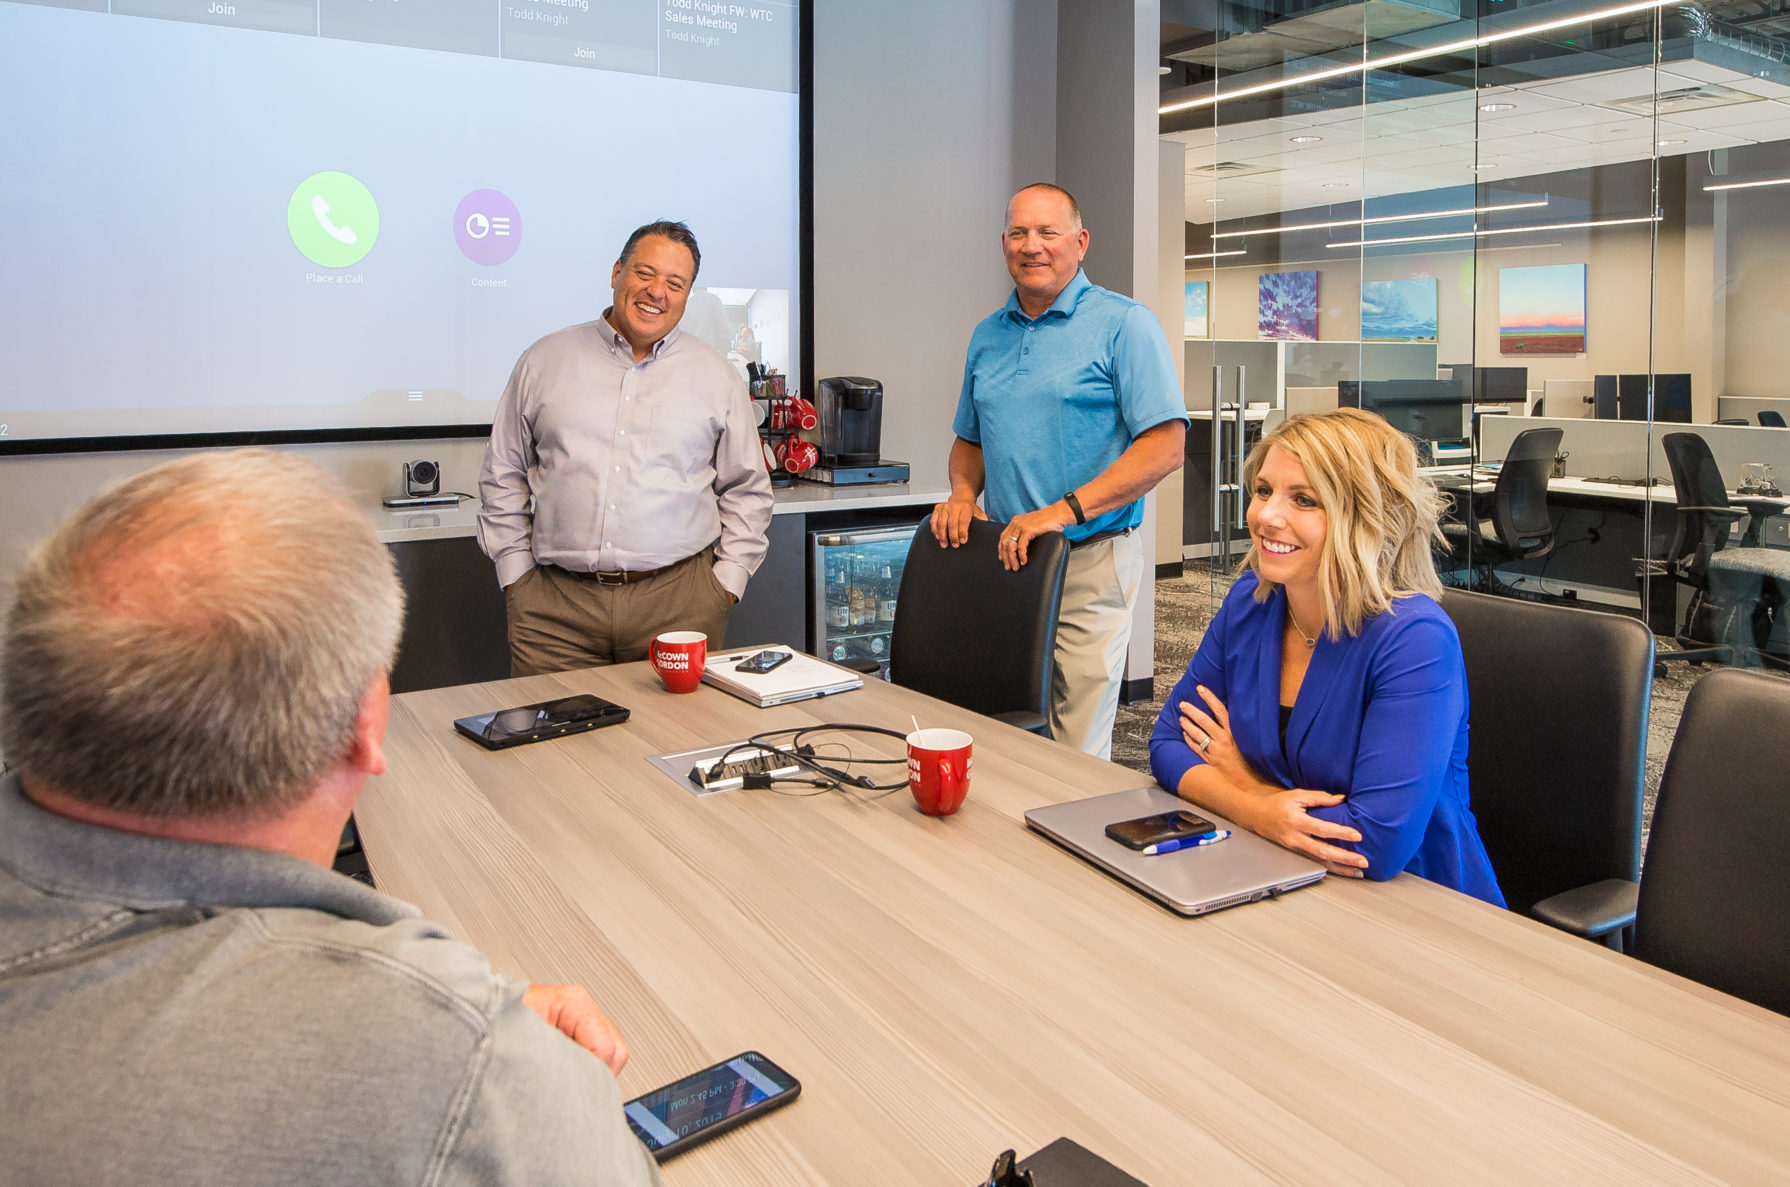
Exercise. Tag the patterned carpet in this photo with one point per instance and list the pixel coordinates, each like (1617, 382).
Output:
(1184, 605)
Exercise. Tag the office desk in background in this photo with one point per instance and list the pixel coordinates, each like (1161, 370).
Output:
(949, 988)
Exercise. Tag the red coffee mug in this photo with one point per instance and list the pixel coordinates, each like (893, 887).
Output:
(802, 414)
(782, 416)
(679, 657)
(938, 769)
(799, 456)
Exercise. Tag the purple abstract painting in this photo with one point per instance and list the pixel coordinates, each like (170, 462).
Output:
(1288, 305)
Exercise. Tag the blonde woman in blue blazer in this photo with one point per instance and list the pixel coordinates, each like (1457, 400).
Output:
(1326, 708)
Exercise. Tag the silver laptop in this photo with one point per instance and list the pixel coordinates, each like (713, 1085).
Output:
(799, 678)
(1239, 869)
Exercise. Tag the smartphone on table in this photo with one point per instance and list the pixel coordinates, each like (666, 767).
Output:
(540, 721)
(690, 1111)
(763, 662)
(1162, 828)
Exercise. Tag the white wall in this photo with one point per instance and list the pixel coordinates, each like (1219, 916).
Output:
(928, 115)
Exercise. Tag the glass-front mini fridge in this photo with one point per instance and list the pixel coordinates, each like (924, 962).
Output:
(856, 575)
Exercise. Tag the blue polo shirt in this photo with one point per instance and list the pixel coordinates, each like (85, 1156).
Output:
(1054, 400)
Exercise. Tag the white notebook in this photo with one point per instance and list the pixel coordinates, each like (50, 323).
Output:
(797, 680)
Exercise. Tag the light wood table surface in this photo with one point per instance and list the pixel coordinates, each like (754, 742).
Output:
(948, 988)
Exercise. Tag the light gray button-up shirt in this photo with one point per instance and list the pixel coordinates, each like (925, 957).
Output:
(598, 463)
(174, 1012)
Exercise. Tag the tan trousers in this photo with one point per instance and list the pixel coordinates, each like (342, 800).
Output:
(1093, 633)
(560, 620)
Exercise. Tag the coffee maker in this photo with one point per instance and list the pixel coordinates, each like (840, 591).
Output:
(851, 432)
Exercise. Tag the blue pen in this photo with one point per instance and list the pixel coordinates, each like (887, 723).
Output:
(1187, 843)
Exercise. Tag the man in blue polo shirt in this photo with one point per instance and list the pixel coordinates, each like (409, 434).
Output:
(1070, 415)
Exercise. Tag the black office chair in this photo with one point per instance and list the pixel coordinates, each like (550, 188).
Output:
(969, 632)
(1735, 592)
(1559, 708)
(1513, 523)
(1772, 420)
(1714, 902)
(1731, 420)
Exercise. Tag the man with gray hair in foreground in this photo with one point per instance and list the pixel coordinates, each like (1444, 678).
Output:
(192, 694)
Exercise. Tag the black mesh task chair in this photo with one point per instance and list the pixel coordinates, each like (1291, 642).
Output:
(972, 633)
(1772, 420)
(1559, 708)
(1714, 902)
(1512, 523)
(1735, 592)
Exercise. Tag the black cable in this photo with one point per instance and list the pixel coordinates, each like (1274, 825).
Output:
(803, 755)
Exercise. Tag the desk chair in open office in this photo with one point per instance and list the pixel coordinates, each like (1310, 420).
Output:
(1736, 611)
(969, 632)
(1714, 902)
(1556, 771)
(1512, 523)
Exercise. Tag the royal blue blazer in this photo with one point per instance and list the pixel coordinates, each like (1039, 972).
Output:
(1380, 719)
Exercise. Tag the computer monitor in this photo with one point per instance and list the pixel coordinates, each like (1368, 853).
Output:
(1427, 409)
(1500, 385)
(1671, 397)
(1489, 385)
(1603, 397)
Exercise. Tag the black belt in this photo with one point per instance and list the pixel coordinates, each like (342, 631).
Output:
(627, 576)
(1097, 537)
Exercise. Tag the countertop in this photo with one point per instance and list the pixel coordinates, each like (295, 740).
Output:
(447, 523)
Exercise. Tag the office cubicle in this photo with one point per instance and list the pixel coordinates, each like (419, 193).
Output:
(1571, 197)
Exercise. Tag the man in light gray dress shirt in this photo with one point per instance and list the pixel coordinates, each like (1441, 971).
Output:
(624, 491)
(193, 692)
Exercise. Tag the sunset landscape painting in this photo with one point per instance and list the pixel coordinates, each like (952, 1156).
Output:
(1542, 310)
(1287, 306)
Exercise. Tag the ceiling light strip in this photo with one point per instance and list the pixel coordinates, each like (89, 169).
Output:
(1414, 55)
(1213, 255)
(1601, 222)
(1733, 185)
(1380, 218)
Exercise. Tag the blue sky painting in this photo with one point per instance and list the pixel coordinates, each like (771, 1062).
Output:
(1287, 305)
(1398, 310)
(1195, 317)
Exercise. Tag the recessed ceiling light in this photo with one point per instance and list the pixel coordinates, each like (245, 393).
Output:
(1480, 168)
(1162, 69)
(1334, 185)
(1214, 200)
(1305, 139)
(1668, 143)
(1497, 107)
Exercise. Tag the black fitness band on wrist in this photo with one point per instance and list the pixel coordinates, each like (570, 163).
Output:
(1075, 506)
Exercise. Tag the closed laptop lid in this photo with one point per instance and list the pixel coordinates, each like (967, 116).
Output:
(1239, 869)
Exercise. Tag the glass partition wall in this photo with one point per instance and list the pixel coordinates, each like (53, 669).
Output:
(1548, 233)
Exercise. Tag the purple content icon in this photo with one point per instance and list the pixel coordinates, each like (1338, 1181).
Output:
(488, 227)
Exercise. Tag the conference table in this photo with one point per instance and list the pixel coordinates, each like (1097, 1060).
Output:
(948, 988)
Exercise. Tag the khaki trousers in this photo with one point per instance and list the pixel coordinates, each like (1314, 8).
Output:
(1093, 633)
(560, 620)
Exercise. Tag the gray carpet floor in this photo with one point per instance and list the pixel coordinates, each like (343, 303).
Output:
(1184, 605)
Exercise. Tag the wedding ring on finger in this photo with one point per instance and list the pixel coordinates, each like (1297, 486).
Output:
(1204, 742)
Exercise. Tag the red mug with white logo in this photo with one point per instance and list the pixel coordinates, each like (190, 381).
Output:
(798, 456)
(938, 769)
(679, 657)
(802, 414)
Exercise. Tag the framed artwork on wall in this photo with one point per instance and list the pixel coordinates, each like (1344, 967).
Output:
(1287, 306)
(1541, 310)
(1196, 323)
(1398, 310)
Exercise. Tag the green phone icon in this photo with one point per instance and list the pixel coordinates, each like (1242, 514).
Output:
(333, 219)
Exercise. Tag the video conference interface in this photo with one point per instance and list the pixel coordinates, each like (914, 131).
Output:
(237, 215)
